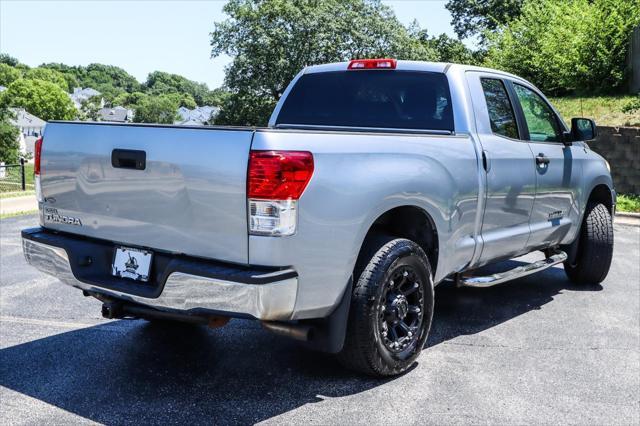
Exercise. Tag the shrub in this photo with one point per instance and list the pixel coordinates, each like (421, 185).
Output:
(567, 45)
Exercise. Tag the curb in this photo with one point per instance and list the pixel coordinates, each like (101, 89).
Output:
(628, 214)
(628, 219)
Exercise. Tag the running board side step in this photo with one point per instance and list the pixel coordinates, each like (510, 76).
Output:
(512, 274)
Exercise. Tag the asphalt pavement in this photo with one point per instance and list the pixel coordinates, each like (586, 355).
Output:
(538, 350)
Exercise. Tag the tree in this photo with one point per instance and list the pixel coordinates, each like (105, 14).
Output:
(566, 46)
(131, 100)
(9, 144)
(216, 97)
(159, 83)
(89, 108)
(272, 40)
(48, 75)
(69, 73)
(41, 98)
(450, 49)
(107, 79)
(477, 17)
(8, 74)
(161, 109)
(7, 59)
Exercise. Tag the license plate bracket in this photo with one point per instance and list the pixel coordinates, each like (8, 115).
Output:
(131, 263)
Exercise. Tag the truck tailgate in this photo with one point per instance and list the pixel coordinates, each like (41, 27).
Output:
(190, 198)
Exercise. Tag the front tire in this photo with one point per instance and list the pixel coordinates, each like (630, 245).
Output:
(391, 309)
(595, 247)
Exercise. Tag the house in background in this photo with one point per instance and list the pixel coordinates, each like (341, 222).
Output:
(80, 95)
(198, 116)
(30, 127)
(116, 114)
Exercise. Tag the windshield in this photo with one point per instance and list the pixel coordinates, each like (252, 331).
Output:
(379, 99)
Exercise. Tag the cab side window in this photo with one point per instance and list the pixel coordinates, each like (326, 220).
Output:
(501, 115)
(541, 120)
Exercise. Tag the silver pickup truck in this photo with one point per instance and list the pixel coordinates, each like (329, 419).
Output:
(375, 181)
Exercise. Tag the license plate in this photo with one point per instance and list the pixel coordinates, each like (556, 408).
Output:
(131, 263)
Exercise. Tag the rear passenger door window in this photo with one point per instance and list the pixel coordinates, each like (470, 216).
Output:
(501, 115)
(540, 119)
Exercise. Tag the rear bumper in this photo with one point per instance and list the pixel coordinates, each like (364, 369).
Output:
(179, 283)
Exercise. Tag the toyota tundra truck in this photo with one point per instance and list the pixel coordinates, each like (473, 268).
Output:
(375, 180)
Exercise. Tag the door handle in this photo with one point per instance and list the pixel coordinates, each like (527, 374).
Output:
(542, 159)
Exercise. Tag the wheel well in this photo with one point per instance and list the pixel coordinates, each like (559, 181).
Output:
(412, 223)
(602, 194)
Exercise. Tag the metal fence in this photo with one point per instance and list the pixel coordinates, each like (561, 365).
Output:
(13, 177)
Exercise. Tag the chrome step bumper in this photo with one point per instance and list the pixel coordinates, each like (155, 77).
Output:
(272, 301)
(512, 274)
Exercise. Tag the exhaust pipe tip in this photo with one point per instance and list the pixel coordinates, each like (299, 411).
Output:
(303, 333)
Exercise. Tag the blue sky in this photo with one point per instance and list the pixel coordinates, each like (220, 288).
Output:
(144, 36)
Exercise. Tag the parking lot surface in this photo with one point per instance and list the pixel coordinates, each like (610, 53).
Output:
(536, 350)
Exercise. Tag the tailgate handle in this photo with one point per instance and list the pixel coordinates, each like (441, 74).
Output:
(129, 159)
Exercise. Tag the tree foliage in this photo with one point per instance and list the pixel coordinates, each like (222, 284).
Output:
(109, 80)
(45, 74)
(157, 109)
(89, 109)
(41, 98)
(9, 144)
(7, 59)
(477, 17)
(568, 45)
(272, 40)
(449, 49)
(159, 83)
(8, 74)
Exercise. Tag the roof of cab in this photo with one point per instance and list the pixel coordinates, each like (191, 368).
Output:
(442, 67)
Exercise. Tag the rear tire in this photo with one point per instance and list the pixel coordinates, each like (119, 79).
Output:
(391, 308)
(595, 247)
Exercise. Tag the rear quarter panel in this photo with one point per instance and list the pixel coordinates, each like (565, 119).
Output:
(357, 178)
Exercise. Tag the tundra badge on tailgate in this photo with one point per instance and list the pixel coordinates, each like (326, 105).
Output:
(51, 215)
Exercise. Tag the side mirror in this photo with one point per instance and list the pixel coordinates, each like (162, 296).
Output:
(583, 129)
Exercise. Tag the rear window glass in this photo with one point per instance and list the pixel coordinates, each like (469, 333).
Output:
(383, 99)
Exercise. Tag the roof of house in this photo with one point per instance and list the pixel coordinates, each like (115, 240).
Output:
(87, 92)
(199, 115)
(79, 95)
(113, 114)
(25, 119)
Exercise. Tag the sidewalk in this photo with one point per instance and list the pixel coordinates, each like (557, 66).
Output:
(18, 204)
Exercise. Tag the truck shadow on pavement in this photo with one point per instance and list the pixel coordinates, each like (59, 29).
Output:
(136, 372)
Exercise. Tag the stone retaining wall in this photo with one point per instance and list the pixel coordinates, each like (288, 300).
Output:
(621, 147)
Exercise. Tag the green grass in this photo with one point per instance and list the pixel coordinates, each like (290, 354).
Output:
(13, 194)
(10, 186)
(28, 174)
(605, 110)
(628, 203)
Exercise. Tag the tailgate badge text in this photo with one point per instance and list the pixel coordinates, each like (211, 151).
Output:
(51, 215)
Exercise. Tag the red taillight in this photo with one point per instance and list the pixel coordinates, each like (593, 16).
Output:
(279, 175)
(370, 64)
(37, 151)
